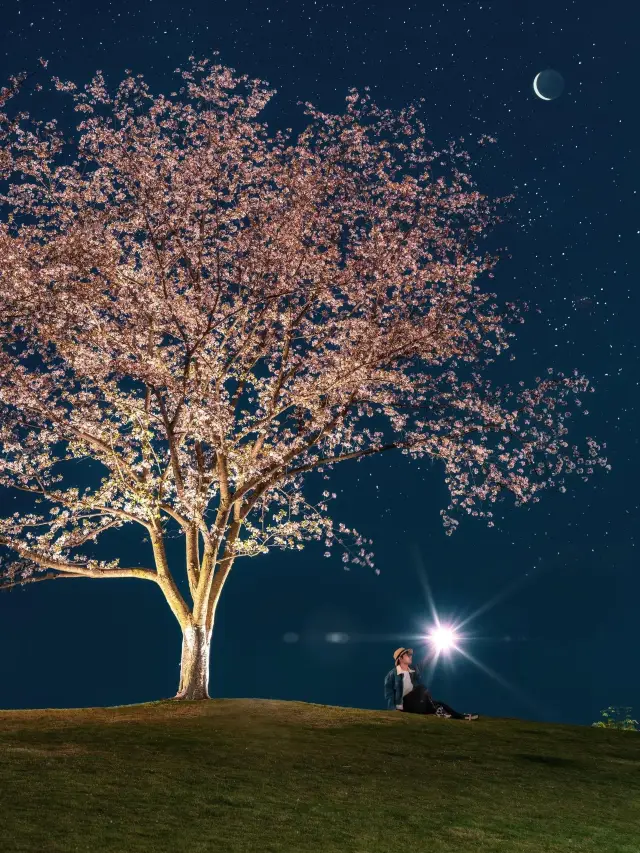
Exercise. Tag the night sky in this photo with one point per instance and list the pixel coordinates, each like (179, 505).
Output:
(557, 584)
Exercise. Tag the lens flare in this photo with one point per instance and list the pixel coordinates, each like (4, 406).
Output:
(443, 638)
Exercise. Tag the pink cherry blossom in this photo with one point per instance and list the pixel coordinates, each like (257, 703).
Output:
(209, 314)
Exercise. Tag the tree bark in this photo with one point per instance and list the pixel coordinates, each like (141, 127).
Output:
(194, 665)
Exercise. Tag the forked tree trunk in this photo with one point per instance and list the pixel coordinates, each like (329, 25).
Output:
(194, 666)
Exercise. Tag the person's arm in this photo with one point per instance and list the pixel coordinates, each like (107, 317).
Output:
(418, 678)
(420, 681)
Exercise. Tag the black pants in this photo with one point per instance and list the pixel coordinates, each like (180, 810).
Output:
(420, 701)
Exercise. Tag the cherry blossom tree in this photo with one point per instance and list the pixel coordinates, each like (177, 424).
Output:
(208, 314)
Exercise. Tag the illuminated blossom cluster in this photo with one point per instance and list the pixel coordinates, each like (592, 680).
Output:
(210, 313)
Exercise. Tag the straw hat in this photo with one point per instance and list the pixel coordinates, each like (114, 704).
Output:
(399, 652)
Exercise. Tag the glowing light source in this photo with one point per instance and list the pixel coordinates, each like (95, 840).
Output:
(443, 638)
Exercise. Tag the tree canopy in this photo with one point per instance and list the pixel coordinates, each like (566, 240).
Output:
(212, 312)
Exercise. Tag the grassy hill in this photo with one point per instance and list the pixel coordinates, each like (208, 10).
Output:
(244, 775)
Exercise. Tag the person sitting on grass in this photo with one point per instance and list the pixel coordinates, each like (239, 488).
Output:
(404, 690)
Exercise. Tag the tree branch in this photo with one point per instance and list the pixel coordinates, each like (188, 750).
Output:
(356, 454)
(74, 569)
(48, 577)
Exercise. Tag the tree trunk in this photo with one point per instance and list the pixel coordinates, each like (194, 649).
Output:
(194, 666)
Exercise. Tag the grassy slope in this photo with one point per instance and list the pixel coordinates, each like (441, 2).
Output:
(243, 775)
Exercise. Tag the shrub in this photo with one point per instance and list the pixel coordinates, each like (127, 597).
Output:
(617, 718)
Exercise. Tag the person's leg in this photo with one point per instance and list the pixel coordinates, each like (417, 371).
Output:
(426, 700)
(444, 710)
(419, 701)
(412, 703)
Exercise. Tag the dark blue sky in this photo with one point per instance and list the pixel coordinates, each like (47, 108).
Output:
(563, 638)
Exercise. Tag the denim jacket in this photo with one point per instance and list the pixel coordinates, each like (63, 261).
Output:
(394, 683)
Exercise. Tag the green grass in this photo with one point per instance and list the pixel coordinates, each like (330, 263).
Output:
(257, 775)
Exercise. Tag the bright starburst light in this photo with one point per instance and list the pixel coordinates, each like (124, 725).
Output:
(443, 638)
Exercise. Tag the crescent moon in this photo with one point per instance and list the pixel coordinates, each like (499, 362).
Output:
(537, 91)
